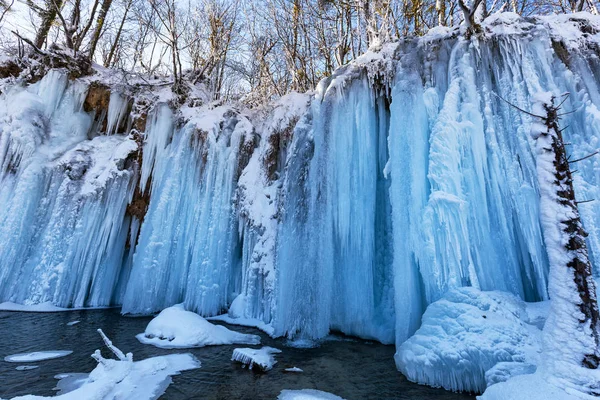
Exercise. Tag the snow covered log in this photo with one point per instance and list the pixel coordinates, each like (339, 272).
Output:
(122, 378)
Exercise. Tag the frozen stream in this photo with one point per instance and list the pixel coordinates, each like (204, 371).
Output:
(352, 369)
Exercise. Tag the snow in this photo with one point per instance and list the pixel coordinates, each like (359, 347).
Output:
(262, 359)
(530, 387)
(175, 327)
(471, 338)
(37, 356)
(73, 323)
(306, 394)
(293, 369)
(122, 378)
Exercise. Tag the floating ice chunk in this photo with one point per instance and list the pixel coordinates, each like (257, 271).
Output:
(73, 323)
(26, 367)
(465, 334)
(262, 359)
(175, 327)
(293, 369)
(307, 394)
(37, 356)
(122, 378)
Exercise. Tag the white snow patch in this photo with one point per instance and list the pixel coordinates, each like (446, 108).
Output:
(175, 327)
(307, 394)
(262, 358)
(293, 369)
(529, 387)
(37, 356)
(73, 323)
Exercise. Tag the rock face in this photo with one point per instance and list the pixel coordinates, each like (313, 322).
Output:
(405, 175)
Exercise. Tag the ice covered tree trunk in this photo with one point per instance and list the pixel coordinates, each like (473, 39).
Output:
(571, 336)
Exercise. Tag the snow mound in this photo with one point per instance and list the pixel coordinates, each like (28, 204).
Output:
(530, 387)
(306, 394)
(175, 327)
(122, 378)
(293, 369)
(37, 356)
(262, 359)
(467, 333)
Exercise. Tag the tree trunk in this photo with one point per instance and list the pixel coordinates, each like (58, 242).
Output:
(48, 17)
(99, 25)
(574, 315)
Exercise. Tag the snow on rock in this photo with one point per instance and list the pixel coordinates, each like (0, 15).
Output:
(293, 369)
(262, 359)
(306, 394)
(175, 327)
(73, 323)
(122, 379)
(37, 356)
(468, 333)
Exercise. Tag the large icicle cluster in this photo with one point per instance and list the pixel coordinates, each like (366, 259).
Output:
(407, 175)
(63, 228)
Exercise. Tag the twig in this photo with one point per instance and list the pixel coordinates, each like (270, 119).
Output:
(584, 201)
(584, 158)
(518, 108)
(112, 347)
(29, 42)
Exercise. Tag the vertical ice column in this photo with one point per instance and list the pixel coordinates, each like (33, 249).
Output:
(184, 252)
(329, 273)
(409, 147)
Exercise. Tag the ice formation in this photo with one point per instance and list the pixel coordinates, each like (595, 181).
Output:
(37, 356)
(262, 359)
(122, 378)
(306, 394)
(26, 367)
(175, 327)
(470, 339)
(406, 175)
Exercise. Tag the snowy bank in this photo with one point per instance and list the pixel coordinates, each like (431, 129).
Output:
(175, 327)
(468, 336)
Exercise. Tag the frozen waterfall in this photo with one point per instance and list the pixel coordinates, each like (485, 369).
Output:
(407, 174)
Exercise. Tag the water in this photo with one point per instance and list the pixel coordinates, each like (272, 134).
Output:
(353, 369)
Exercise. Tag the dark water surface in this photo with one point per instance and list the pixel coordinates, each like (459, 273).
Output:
(352, 369)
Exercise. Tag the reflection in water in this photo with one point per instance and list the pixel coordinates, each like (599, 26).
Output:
(352, 369)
